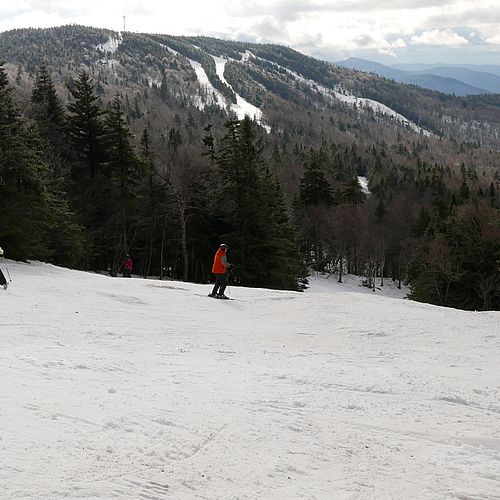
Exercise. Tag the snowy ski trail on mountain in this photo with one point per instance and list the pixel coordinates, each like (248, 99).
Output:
(140, 389)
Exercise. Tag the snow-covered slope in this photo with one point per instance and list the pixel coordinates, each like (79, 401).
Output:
(111, 45)
(242, 106)
(349, 99)
(210, 95)
(141, 389)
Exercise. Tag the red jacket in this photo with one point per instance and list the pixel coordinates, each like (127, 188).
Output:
(220, 263)
(128, 264)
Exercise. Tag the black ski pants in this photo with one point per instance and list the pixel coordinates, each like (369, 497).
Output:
(220, 284)
(3, 281)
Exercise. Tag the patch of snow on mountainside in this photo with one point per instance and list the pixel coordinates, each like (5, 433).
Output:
(242, 106)
(245, 57)
(363, 182)
(112, 65)
(378, 107)
(363, 102)
(210, 94)
(111, 45)
(140, 388)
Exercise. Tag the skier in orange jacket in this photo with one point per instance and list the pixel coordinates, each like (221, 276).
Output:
(219, 268)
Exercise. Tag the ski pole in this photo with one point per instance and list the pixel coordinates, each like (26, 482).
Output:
(226, 283)
(7, 269)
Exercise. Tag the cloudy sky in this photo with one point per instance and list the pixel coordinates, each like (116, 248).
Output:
(388, 31)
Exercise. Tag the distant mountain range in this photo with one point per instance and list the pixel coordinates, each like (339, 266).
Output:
(460, 80)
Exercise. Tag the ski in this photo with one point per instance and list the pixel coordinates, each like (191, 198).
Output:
(216, 298)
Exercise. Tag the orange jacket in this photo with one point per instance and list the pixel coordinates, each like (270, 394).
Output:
(219, 267)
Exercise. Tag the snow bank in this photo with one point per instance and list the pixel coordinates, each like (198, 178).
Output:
(132, 388)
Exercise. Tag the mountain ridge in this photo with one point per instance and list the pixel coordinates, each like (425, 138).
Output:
(83, 46)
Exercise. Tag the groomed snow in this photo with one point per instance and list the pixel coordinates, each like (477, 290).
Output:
(144, 389)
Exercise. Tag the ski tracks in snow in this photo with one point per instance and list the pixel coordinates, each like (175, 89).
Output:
(136, 388)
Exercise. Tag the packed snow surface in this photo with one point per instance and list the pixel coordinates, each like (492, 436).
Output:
(145, 389)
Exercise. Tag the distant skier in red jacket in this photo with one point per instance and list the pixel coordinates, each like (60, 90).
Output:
(219, 269)
(127, 266)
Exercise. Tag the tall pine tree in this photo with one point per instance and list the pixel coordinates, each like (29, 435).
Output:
(125, 168)
(251, 211)
(86, 128)
(91, 186)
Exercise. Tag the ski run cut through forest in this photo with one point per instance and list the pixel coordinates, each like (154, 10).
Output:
(147, 389)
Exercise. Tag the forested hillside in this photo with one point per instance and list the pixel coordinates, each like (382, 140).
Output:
(123, 142)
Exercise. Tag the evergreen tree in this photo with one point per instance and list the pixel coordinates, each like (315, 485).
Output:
(315, 198)
(492, 194)
(152, 197)
(285, 267)
(464, 193)
(422, 223)
(91, 184)
(250, 209)
(86, 127)
(48, 108)
(125, 169)
(209, 143)
(21, 194)
(353, 193)
(314, 187)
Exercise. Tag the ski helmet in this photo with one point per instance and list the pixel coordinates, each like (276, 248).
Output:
(223, 245)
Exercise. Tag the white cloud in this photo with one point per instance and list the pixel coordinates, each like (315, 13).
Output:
(494, 40)
(32, 19)
(446, 37)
